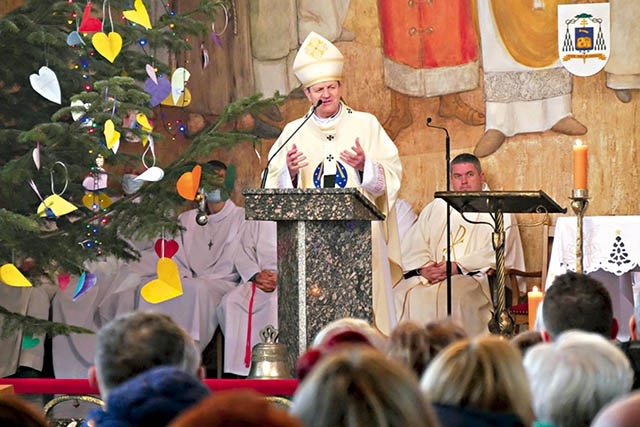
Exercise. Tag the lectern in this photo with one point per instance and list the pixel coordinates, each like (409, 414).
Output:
(497, 203)
(324, 257)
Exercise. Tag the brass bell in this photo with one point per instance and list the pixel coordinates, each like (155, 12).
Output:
(269, 358)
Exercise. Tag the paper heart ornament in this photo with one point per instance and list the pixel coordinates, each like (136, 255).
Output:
(36, 156)
(143, 121)
(55, 206)
(139, 15)
(63, 280)
(97, 181)
(111, 136)
(46, 84)
(79, 109)
(29, 342)
(108, 46)
(89, 24)
(179, 80)
(153, 174)
(151, 72)
(158, 90)
(183, 100)
(85, 282)
(189, 182)
(166, 248)
(167, 286)
(10, 275)
(74, 38)
(96, 201)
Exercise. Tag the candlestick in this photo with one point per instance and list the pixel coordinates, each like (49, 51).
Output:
(579, 204)
(534, 297)
(580, 168)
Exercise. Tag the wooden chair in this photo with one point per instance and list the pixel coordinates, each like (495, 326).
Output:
(520, 310)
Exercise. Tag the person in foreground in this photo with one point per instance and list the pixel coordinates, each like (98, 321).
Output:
(136, 342)
(422, 294)
(574, 376)
(335, 146)
(479, 382)
(358, 386)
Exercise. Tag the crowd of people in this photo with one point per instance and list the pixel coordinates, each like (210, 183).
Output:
(414, 364)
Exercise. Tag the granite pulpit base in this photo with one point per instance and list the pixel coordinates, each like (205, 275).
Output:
(324, 273)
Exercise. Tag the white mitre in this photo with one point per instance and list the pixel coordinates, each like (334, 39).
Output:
(318, 60)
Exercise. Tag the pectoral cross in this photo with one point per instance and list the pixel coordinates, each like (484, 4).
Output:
(210, 244)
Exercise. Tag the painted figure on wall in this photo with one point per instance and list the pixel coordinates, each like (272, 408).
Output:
(526, 89)
(431, 49)
(623, 68)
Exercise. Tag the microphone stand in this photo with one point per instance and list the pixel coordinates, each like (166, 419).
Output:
(448, 161)
(266, 168)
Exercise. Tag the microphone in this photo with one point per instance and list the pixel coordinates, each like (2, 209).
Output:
(448, 231)
(447, 148)
(266, 168)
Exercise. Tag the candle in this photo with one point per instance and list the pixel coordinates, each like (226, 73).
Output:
(533, 298)
(580, 152)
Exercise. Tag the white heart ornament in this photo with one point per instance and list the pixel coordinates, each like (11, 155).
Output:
(46, 84)
(179, 80)
(152, 174)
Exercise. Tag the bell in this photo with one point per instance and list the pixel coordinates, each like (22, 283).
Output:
(269, 358)
(202, 218)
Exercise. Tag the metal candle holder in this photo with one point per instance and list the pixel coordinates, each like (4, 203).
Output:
(579, 203)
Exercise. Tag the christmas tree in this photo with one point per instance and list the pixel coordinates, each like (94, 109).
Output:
(76, 79)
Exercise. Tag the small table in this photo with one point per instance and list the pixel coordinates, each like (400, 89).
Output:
(611, 254)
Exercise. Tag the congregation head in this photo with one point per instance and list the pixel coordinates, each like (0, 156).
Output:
(16, 412)
(483, 376)
(358, 386)
(415, 345)
(138, 341)
(234, 408)
(577, 301)
(573, 377)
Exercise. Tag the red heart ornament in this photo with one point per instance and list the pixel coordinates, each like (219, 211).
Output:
(89, 24)
(170, 248)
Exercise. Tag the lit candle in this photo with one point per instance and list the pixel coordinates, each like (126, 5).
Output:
(580, 152)
(533, 298)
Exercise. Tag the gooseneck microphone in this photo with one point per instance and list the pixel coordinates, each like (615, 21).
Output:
(448, 231)
(447, 150)
(265, 173)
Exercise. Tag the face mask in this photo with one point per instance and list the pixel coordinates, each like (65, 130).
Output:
(213, 196)
(130, 184)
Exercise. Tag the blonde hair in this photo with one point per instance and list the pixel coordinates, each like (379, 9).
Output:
(484, 373)
(358, 386)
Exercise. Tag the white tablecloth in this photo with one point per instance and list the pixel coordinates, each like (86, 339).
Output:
(611, 252)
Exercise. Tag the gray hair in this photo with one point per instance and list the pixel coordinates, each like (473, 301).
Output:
(138, 341)
(572, 378)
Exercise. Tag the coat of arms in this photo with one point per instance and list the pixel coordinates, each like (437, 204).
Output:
(583, 37)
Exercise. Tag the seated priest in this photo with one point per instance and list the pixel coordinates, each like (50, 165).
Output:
(205, 259)
(253, 305)
(422, 294)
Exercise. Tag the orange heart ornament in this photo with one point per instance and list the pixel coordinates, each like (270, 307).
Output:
(189, 182)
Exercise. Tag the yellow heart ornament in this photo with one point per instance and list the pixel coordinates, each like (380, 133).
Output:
(96, 201)
(111, 135)
(56, 205)
(183, 100)
(139, 15)
(108, 46)
(10, 275)
(167, 286)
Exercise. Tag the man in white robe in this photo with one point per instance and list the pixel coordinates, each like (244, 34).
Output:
(205, 259)
(422, 295)
(253, 304)
(336, 146)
